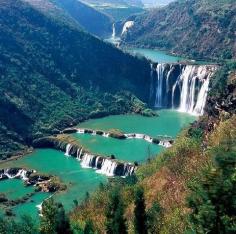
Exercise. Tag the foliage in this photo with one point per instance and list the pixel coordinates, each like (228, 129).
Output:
(53, 75)
(115, 223)
(213, 197)
(25, 226)
(186, 28)
(53, 219)
(140, 217)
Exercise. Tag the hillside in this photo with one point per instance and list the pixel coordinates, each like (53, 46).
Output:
(87, 18)
(189, 188)
(49, 79)
(91, 20)
(198, 29)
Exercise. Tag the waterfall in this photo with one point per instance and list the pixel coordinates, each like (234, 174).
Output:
(182, 87)
(87, 161)
(68, 148)
(108, 167)
(18, 173)
(159, 88)
(113, 31)
(128, 170)
(127, 26)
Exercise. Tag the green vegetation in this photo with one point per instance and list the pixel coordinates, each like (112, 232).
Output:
(140, 218)
(53, 75)
(89, 19)
(54, 220)
(189, 188)
(197, 29)
(115, 214)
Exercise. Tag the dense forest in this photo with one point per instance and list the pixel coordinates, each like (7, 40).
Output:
(197, 29)
(54, 75)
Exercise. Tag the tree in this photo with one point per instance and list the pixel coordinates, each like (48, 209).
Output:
(154, 218)
(25, 225)
(115, 223)
(213, 197)
(88, 229)
(54, 220)
(140, 217)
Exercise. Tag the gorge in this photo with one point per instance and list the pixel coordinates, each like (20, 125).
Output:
(100, 126)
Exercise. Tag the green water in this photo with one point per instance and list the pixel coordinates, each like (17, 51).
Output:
(79, 180)
(130, 150)
(169, 122)
(156, 55)
(15, 189)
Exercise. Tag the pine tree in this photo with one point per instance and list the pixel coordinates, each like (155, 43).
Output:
(115, 214)
(89, 229)
(54, 219)
(140, 218)
(212, 199)
(154, 215)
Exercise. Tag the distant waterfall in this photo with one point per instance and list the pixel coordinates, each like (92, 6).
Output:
(182, 87)
(68, 148)
(113, 31)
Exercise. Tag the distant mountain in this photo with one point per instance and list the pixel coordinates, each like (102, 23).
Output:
(194, 28)
(89, 19)
(54, 75)
(154, 3)
(117, 2)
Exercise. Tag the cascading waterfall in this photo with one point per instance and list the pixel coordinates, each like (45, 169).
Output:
(108, 167)
(159, 86)
(68, 148)
(87, 161)
(113, 31)
(182, 87)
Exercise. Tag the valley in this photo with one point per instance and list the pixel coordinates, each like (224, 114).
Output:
(117, 116)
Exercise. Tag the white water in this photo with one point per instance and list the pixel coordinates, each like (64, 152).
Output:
(108, 167)
(68, 148)
(113, 31)
(22, 174)
(86, 161)
(127, 26)
(192, 83)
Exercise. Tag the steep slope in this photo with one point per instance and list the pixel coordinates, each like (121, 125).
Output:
(90, 19)
(54, 75)
(174, 198)
(193, 28)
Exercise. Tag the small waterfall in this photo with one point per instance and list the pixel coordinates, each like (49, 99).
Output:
(68, 148)
(128, 170)
(87, 161)
(182, 87)
(113, 31)
(159, 87)
(16, 173)
(127, 26)
(108, 167)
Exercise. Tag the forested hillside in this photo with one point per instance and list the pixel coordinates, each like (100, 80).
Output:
(189, 188)
(54, 75)
(91, 20)
(194, 28)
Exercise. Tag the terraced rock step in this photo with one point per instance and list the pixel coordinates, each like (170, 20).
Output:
(108, 166)
(165, 141)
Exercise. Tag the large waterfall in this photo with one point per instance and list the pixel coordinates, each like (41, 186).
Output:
(182, 87)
